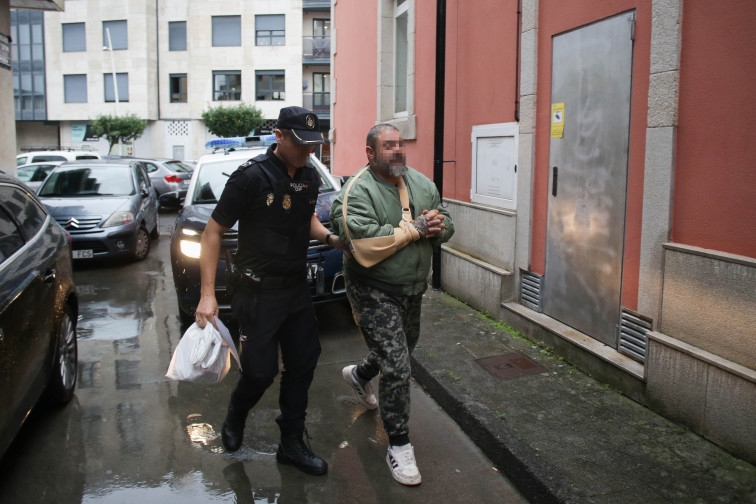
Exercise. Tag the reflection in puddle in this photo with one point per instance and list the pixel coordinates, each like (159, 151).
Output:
(202, 433)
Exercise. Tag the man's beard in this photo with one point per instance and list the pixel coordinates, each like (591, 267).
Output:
(397, 171)
(392, 170)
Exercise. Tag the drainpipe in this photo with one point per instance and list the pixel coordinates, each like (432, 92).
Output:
(438, 135)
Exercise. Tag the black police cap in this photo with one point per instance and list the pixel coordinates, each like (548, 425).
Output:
(303, 124)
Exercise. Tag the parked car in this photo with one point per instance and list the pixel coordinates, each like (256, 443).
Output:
(168, 175)
(108, 206)
(54, 155)
(207, 183)
(38, 309)
(33, 174)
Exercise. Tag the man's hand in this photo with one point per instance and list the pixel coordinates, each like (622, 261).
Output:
(430, 223)
(207, 311)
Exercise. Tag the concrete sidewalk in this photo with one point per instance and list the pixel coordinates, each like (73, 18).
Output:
(558, 434)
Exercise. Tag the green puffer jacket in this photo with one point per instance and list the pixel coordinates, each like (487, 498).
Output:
(401, 260)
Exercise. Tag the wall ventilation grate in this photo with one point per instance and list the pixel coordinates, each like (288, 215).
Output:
(632, 334)
(530, 290)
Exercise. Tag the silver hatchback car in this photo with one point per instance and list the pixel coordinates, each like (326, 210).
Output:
(109, 207)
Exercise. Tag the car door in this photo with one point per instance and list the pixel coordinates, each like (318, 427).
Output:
(156, 174)
(27, 304)
(149, 204)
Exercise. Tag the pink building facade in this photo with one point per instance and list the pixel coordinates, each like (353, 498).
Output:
(598, 168)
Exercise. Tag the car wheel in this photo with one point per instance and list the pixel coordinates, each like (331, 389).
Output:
(142, 247)
(60, 388)
(156, 232)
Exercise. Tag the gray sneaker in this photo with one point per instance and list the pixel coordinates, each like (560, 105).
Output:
(364, 394)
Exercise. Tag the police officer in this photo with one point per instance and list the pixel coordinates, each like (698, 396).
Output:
(273, 197)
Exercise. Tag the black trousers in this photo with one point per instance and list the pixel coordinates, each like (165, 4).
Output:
(269, 318)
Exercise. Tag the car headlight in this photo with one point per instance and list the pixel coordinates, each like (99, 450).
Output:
(118, 219)
(190, 248)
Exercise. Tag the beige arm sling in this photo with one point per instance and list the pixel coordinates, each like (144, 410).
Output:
(370, 251)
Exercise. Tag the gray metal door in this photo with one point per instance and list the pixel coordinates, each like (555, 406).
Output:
(591, 76)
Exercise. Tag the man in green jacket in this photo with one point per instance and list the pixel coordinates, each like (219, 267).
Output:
(391, 217)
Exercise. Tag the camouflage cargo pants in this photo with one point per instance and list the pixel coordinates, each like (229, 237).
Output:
(390, 325)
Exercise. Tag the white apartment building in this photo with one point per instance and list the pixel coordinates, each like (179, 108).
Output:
(171, 61)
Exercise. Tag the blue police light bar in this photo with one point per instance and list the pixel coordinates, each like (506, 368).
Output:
(226, 143)
(239, 142)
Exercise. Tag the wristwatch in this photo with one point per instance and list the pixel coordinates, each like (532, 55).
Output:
(328, 238)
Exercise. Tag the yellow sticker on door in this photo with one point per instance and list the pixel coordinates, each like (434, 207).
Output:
(557, 120)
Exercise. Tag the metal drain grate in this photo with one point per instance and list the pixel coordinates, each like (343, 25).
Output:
(632, 336)
(509, 366)
(530, 290)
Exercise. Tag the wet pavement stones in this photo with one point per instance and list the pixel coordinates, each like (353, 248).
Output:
(560, 435)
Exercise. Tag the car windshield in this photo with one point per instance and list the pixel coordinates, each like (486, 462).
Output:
(179, 167)
(212, 177)
(25, 173)
(89, 181)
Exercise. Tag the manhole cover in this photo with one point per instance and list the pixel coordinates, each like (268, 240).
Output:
(509, 366)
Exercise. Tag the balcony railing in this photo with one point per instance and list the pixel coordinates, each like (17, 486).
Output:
(318, 102)
(316, 50)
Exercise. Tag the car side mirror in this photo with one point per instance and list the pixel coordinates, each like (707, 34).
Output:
(144, 192)
(344, 179)
(170, 199)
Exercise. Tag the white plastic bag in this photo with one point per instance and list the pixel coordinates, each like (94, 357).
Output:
(202, 354)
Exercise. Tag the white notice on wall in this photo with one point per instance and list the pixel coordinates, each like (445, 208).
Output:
(495, 167)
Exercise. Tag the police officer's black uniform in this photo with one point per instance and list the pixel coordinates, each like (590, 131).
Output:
(271, 300)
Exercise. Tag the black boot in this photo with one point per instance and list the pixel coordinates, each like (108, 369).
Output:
(293, 450)
(232, 432)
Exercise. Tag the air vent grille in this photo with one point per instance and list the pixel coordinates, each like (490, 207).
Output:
(632, 337)
(530, 290)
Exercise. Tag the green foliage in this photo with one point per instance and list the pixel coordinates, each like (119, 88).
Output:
(232, 121)
(113, 128)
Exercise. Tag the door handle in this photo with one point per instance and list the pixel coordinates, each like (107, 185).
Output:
(554, 180)
(50, 275)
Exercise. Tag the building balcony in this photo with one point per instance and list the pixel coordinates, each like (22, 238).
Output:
(316, 5)
(316, 50)
(318, 102)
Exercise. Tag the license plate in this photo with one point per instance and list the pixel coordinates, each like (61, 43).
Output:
(83, 254)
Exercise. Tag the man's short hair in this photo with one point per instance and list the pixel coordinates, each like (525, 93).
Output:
(372, 136)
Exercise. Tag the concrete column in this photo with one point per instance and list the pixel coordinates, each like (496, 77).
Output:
(658, 181)
(526, 144)
(7, 108)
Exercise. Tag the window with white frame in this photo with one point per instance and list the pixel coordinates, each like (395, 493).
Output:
(74, 37)
(396, 65)
(118, 35)
(75, 88)
(401, 41)
(226, 31)
(122, 80)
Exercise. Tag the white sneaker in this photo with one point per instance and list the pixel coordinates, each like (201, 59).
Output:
(364, 394)
(401, 461)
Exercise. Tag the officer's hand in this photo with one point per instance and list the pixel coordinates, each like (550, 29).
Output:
(337, 244)
(207, 310)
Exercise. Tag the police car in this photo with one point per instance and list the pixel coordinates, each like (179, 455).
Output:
(207, 183)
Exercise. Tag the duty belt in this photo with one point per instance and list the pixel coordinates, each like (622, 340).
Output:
(252, 279)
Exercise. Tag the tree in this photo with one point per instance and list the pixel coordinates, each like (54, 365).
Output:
(115, 128)
(232, 121)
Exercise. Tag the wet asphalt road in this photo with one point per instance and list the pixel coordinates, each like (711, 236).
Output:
(132, 436)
